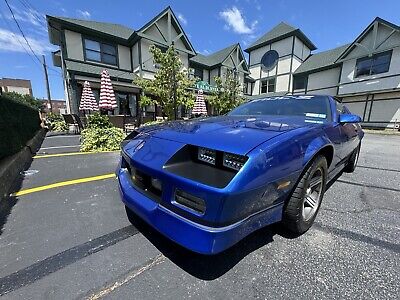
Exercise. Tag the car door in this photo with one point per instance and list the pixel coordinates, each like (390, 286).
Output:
(351, 131)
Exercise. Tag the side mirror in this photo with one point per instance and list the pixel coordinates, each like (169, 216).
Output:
(349, 118)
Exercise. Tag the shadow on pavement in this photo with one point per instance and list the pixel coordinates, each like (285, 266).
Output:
(7, 203)
(209, 267)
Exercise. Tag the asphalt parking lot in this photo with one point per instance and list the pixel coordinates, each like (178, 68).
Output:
(65, 235)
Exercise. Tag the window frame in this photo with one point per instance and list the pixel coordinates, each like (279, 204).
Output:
(372, 65)
(101, 52)
(304, 80)
(267, 80)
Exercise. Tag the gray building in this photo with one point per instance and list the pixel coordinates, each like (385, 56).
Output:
(88, 47)
(364, 73)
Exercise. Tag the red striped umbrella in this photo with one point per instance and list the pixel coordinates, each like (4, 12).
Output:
(107, 96)
(88, 102)
(199, 105)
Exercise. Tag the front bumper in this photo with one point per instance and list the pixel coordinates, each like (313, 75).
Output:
(191, 235)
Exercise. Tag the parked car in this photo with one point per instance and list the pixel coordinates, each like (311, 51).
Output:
(207, 183)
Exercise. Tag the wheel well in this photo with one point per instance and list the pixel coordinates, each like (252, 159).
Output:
(327, 151)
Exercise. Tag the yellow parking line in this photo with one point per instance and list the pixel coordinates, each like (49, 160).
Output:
(63, 183)
(70, 154)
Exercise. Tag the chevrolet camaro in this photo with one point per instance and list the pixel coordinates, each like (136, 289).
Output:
(207, 183)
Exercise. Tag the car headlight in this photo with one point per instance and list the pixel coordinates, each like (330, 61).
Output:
(207, 155)
(233, 161)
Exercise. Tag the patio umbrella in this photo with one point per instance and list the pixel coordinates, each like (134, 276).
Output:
(199, 105)
(107, 96)
(88, 102)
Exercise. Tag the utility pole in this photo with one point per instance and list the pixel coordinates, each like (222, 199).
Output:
(46, 77)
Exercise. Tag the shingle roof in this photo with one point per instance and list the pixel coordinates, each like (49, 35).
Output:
(280, 31)
(214, 58)
(107, 28)
(83, 68)
(321, 60)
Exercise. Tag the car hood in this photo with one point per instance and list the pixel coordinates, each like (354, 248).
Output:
(227, 133)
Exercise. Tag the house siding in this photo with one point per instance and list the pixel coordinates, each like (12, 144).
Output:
(73, 41)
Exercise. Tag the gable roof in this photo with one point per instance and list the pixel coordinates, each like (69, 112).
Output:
(280, 31)
(215, 58)
(178, 26)
(321, 60)
(116, 30)
(365, 32)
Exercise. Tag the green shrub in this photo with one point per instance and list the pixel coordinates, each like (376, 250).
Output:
(25, 99)
(101, 139)
(56, 122)
(18, 124)
(59, 126)
(98, 121)
(152, 123)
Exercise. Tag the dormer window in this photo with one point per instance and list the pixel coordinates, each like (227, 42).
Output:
(375, 64)
(100, 52)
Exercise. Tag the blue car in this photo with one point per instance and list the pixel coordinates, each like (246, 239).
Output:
(207, 183)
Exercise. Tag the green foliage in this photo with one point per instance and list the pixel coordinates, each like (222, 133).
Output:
(97, 139)
(228, 94)
(25, 99)
(18, 124)
(98, 121)
(56, 122)
(152, 123)
(170, 81)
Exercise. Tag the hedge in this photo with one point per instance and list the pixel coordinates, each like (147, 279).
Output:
(18, 124)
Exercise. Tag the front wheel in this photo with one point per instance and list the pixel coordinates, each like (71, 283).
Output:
(302, 207)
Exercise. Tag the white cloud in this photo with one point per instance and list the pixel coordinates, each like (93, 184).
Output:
(29, 16)
(235, 21)
(204, 52)
(83, 14)
(182, 19)
(11, 42)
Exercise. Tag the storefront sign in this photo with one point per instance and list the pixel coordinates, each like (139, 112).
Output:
(205, 86)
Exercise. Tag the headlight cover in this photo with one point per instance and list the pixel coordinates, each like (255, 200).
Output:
(233, 161)
(207, 155)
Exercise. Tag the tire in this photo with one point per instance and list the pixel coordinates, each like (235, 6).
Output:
(303, 205)
(131, 216)
(353, 159)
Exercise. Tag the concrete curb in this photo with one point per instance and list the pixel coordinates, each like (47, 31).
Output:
(11, 166)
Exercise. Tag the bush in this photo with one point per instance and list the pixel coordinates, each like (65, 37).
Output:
(56, 122)
(152, 123)
(25, 99)
(18, 124)
(98, 121)
(101, 139)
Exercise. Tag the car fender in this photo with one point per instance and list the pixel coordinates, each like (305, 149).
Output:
(315, 146)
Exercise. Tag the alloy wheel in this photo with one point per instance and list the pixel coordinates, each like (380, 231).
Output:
(313, 195)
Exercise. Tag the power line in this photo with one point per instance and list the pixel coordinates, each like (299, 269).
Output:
(23, 35)
(26, 40)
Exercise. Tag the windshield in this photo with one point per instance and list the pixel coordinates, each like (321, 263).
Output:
(306, 106)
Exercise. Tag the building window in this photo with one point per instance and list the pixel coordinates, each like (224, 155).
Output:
(269, 60)
(375, 64)
(299, 82)
(100, 52)
(198, 73)
(268, 85)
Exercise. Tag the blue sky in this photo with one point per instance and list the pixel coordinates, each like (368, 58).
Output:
(210, 25)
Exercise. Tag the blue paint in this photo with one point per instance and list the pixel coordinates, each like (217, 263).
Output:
(278, 149)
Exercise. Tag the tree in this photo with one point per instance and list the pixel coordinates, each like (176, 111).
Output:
(228, 93)
(171, 86)
(26, 99)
